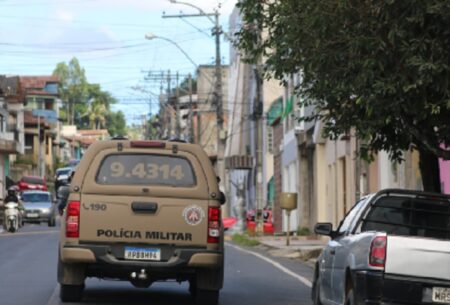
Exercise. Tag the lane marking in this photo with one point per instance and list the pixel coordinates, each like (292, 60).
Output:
(277, 265)
(54, 298)
(28, 233)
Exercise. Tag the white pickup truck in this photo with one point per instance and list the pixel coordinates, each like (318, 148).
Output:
(393, 247)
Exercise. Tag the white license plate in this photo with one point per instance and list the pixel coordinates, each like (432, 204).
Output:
(32, 215)
(145, 254)
(441, 295)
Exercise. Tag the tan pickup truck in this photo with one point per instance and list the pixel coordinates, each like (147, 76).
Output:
(143, 211)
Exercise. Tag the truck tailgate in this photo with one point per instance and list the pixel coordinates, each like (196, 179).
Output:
(418, 257)
(125, 219)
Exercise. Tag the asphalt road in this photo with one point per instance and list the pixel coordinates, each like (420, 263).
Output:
(28, 277)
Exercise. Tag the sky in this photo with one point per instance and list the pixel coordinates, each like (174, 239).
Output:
(108, 38)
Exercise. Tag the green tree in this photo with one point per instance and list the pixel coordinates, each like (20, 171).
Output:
(96, 114)
(153, 127)
(73, 88)
(116, 124)
(380, 68)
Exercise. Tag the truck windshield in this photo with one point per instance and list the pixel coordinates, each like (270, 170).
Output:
(410, 217)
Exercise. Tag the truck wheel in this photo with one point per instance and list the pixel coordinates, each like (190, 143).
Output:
(207, 297)
(316, 294)
(51, 222)
(193, 287)
(350, 298)
(70, 293)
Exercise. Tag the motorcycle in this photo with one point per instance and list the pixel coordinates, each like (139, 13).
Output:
(11, 217)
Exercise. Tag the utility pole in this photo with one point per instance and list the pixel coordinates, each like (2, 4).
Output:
(169, 134)
(191, 110)
(217, 31)
(177, 108)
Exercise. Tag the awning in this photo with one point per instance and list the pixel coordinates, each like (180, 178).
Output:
(289, 106)
(275, 112)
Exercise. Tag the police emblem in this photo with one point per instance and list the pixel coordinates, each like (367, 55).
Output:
(193, 215)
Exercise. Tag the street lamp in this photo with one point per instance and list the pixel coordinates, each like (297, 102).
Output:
(196, 7)
(151, 36)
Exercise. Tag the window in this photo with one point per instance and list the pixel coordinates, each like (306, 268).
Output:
(409, 217)
(51, 88)
(350, 217)
(36, 197)
(144, 169)
(2, 123)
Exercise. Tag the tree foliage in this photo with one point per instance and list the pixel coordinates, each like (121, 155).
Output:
(380, 68)
(116, 123)
(87, 104)
(73, 88)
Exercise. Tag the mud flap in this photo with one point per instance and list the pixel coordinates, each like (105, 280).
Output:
(210, 279)
(71, 274)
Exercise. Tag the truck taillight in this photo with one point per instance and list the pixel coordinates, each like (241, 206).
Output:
(213, 225)
(377, 254)
(73, 219)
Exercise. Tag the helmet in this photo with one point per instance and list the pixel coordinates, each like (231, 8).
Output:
(12, 190)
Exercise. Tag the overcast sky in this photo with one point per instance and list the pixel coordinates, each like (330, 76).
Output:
(107, 36)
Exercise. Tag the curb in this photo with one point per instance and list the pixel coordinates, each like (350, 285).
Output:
(307, 256)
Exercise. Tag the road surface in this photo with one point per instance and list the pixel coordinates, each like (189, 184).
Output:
(28, 277)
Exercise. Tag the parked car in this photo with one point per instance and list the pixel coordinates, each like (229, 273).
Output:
(39, 207)
(32, 183)
(393, 247)
(73, 163)
(62, 176)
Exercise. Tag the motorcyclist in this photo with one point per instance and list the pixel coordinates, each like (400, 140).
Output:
(12, 196)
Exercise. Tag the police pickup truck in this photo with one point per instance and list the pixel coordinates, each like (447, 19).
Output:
(143, 211)
(393, 247)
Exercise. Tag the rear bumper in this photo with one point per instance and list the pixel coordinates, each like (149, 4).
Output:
(372, 287)
(172, 258)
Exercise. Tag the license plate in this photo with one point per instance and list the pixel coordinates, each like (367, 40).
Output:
(32, 215)
(441, 295)
(145, 254)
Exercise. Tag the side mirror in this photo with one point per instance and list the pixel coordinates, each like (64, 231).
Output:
(324, 228)
(222, 199)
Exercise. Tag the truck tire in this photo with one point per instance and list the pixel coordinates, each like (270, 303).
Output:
(350, 297)
(193, 287)
(51, 222)
(70, 293)
(206, 297)
(316, 294)
(209, 279)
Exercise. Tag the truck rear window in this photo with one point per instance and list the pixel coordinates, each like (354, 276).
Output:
(145, 169)
(410, 217)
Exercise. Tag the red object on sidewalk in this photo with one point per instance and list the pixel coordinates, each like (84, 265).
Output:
(228, 222)
(251, 226)
(268, 228)
(268, 222)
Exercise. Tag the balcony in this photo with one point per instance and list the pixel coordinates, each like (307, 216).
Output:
(9, 140)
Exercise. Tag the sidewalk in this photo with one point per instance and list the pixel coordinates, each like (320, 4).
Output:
(305, 248)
